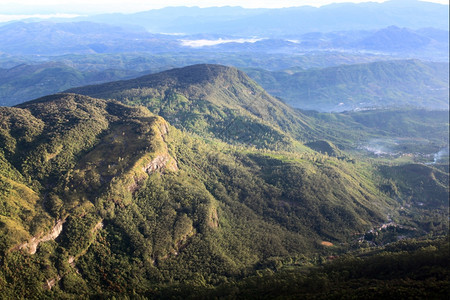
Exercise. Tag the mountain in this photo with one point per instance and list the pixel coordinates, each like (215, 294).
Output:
(393, 39)
(102, 199)
(161, 20)
(429, 43)
(46, 38)
(211, 100)
(219, 102)
(26, 78)
(111, 198)
(406, 29)
(49, 38)
(143, 61)
(426, 44)
(286, 21)
(26, 82)
(380, 84)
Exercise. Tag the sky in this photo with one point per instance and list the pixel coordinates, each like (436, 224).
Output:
(68, 7)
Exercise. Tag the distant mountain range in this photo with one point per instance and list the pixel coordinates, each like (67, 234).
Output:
(408, 29)
(78, 37)
(285, 21)
(381, 84)
(26, 82)
(48, 38)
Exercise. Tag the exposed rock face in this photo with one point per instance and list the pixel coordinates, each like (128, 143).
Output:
(158, 164)
(163, 160)
(164, 129)
(97, 226)
(213, 221)
(51, 283)
(71, 261)
(31, 246)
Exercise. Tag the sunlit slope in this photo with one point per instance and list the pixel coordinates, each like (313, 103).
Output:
(418, 184)
(221, 102)
(127, 189)
(42, 142)
(214, 101)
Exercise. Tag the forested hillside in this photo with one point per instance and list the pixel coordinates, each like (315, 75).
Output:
(221, 102)
(102, 198)
(201, 152)
(27, 82)
(130, 190)
(108, 198)
(212, 101)
(402, 83)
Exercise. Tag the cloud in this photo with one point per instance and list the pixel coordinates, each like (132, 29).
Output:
(203, 43)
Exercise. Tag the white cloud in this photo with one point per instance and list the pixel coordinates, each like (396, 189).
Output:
(204, 43)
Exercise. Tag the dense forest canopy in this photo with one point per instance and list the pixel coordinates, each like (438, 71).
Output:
(113, 199)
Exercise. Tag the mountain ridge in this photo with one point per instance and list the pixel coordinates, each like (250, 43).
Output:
(25, 82)
(165, 199)
(232, 99)
(381, 84)
(147, 205)
(48, 37)
(307, 18)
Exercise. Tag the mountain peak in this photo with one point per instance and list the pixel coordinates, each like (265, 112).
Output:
(206, 98)
(178, 78)
(199, 73)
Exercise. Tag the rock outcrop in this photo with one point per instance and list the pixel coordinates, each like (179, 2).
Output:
(33, 243)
